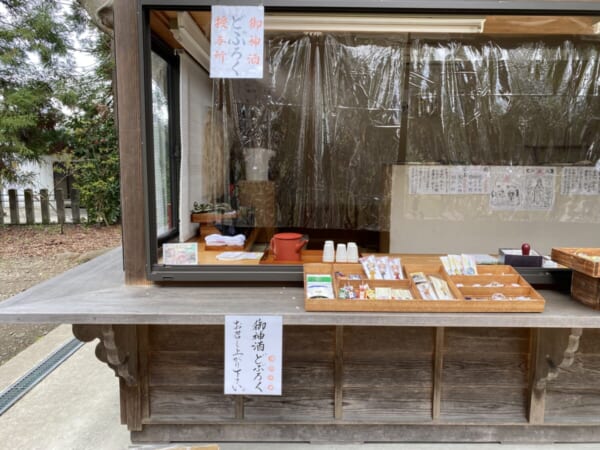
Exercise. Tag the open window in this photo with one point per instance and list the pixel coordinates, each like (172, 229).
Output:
(399, 133)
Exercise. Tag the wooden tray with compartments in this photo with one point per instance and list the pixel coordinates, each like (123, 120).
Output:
(575, 258)
(476, 293)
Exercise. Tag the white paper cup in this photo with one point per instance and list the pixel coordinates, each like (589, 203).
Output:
(352, 252)
(340, 254)
(328, 252)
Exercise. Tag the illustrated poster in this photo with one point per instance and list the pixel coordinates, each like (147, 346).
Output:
(253, 355)
(237, 41)
(181, 254)
(523, 188)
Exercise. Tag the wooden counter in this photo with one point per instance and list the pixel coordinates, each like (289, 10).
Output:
(347, 377)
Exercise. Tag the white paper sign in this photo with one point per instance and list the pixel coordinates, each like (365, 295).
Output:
(237, 41)
(580, 181)
(253, 355)
(449, 180)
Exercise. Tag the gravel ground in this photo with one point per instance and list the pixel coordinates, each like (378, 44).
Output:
(32, 254)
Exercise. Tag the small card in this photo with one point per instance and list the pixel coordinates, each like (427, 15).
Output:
(182, 254)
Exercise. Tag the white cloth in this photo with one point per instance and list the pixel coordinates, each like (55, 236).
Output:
(219, 240)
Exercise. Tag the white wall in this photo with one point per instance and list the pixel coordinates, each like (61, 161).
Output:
(42, 178)
(196, 100)
(465, 223)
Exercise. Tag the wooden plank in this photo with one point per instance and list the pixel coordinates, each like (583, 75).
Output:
(45, 206)
(466, 404)
(13, 204)
(537, 397)
(514, 25)
(129, 107)
(485, 340)
(75, 206)
(438, 366)
(60, 205)
(201, 403)
(372, 432)
(29, 214)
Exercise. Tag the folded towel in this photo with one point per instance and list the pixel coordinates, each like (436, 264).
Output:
(219, 240)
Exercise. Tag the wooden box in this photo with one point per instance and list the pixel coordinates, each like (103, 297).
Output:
(571, 257)
(478, 300)
(586, 289)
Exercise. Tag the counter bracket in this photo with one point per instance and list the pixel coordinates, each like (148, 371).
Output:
(113, 348)
(554, 349)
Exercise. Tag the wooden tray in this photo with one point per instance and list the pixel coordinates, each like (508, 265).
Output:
(460, 304)
(567, 256)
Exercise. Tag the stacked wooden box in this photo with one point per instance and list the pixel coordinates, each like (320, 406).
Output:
(585, 285)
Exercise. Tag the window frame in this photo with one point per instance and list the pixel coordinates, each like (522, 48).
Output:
(285, 273)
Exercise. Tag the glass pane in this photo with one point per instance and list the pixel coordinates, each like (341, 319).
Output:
(160, 124)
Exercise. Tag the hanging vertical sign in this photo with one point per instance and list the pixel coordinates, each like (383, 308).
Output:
(253, 355)
(237, 41)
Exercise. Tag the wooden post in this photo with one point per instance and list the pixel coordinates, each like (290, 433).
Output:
(29, 213)
(45, 206)
(60, 205)
(75, 213)
(339, 373)
(129, 107)
(1, 209)
(13, 204)
(438, 365)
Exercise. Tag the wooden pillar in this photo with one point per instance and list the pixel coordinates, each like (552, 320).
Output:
(129, 107)
(13, 204)
(29, 214)
(438, 365)
(45, 206)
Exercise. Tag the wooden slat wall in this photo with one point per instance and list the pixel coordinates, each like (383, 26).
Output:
(308, 379)
(185, 366)
(574, 397)
(485, 375)
(387, 374)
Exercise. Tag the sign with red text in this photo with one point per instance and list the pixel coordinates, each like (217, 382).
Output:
(253, 355)
(237, 41)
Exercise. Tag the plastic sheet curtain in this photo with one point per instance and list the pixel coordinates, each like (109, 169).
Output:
(504, 101)
(340, 110)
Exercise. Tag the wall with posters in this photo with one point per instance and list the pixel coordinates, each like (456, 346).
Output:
(478, 209)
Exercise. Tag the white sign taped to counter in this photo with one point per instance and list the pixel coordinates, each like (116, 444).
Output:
(580, 181)
(237, 41)
(523, 188)
(448, 180)
(253, 355)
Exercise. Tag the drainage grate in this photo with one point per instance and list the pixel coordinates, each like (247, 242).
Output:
(19, 388)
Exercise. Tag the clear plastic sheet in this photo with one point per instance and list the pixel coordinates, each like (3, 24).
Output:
(339, 111)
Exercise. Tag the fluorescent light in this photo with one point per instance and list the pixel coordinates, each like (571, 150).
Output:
(192, 39)
(374, 23)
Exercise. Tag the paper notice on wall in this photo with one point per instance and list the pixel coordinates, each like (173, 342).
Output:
(580, 181)
(253, 355)
(523, 188)
(449, 180)
(237, 41)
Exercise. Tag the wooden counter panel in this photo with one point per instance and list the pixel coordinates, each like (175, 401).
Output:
(194, 338)
(485, 374)
(308, 379)
(387, 373)
(193, 368)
